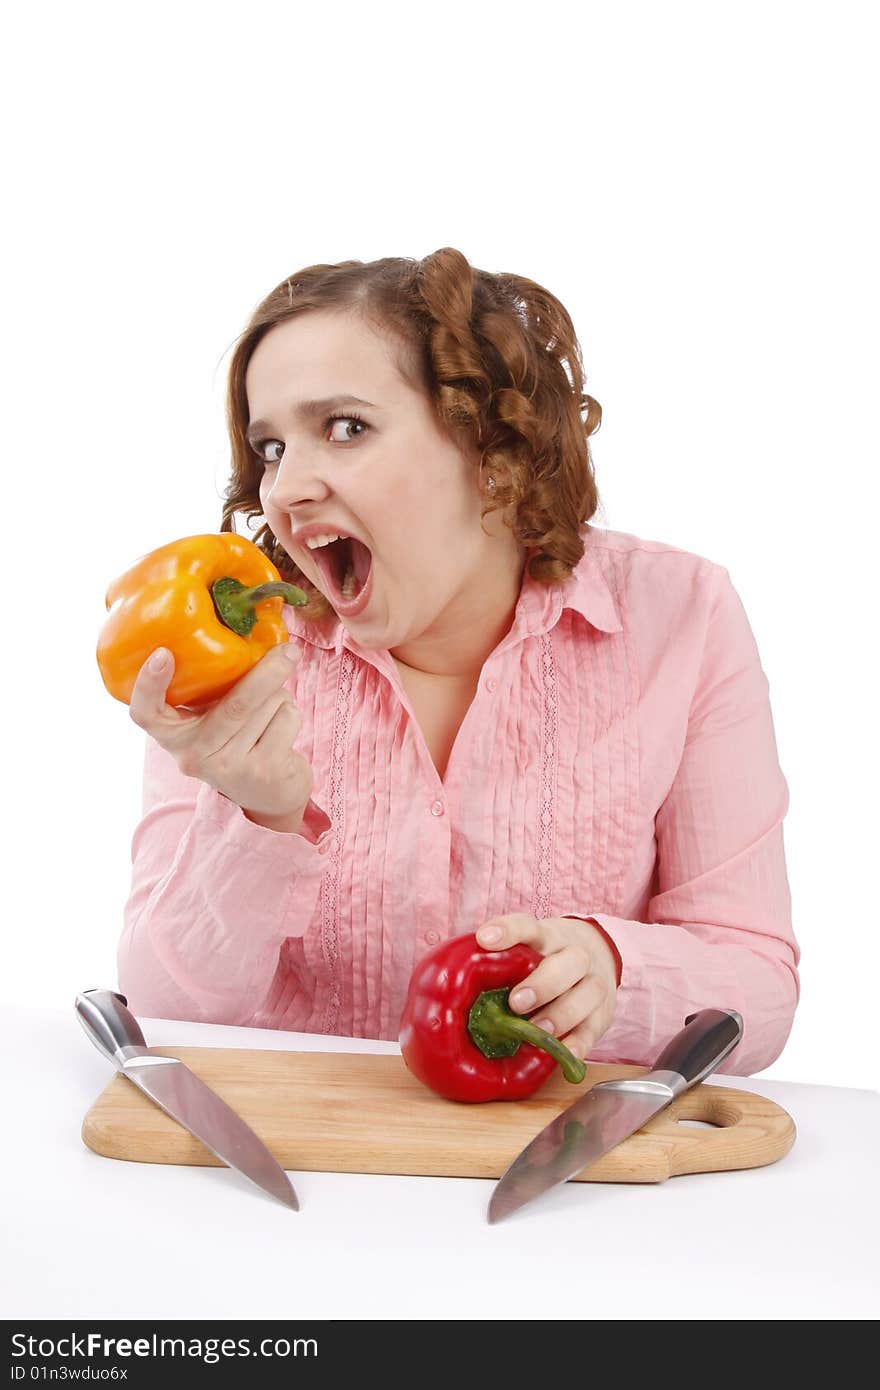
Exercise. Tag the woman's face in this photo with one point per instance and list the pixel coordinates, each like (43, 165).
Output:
(383, 472)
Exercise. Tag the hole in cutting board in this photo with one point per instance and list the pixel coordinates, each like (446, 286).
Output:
(699, 1124)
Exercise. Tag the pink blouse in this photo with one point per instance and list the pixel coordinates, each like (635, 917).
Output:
(617, 763)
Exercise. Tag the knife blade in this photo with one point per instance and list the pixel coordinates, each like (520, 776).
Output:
(613, 1110)
(116, 1034)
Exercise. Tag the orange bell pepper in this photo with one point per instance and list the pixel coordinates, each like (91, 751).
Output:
(213, 601)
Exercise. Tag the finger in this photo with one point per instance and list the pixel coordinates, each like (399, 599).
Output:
(500, 932)
(278, 737)
(572, 1007)
(556, 974)
(148, 706)
(545, 934)
(265, 717)
(239, 705)
(581, 1040)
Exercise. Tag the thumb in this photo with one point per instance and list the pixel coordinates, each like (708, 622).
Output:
(153, 679)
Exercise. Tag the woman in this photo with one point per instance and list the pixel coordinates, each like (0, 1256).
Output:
(505, 720)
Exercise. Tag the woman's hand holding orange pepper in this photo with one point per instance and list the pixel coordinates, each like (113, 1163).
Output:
(242, 745)
(198, 624)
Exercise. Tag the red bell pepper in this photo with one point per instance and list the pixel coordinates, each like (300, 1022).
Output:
(457, 1034)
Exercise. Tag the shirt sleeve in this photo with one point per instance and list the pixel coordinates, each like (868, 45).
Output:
(212, 898)
(719, 929)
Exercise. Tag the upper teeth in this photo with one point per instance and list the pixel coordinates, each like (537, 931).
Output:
(313, 542)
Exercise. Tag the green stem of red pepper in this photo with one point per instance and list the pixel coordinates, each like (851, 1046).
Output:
(498, 1032)
(234, 604)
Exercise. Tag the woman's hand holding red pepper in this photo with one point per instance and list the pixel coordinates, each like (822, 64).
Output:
(457, 1034)
(573, 992)
(241, 744)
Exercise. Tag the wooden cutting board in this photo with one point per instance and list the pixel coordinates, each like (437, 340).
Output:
(359, 1113)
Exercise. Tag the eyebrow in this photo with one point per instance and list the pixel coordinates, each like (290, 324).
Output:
(307, 410)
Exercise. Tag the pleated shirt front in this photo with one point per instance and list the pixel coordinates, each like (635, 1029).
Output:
(618, 762)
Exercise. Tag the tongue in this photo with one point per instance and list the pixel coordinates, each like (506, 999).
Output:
(361, 559)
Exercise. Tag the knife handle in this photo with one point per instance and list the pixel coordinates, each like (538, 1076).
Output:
(706, 1039)
(109, 1025)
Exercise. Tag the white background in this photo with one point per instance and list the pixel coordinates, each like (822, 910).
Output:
(696, 183)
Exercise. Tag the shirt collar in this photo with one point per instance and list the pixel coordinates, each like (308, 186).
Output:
(586, 591)
(538, 609)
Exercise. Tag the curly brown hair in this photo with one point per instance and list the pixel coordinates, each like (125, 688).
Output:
(498, 356)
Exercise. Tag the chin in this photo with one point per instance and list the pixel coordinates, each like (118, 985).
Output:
(376, 635)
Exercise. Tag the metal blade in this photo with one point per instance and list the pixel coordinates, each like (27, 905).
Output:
(180, 1093)
(578, 1137)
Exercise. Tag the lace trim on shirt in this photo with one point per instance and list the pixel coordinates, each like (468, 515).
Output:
(330, 884)
(543, 887)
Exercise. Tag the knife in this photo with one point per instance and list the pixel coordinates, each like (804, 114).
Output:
(613, 1110)
(169, 1082)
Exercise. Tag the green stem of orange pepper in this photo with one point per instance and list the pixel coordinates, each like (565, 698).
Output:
(234, 603)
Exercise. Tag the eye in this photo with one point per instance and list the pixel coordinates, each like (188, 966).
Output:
(262, 444)
(351, 419)
(259, 445)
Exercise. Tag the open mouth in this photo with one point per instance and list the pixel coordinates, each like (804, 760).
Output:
(344, 566)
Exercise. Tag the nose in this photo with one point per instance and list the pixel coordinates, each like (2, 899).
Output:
(298, 478)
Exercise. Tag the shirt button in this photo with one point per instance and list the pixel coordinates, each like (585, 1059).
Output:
(432, 937)
(437, 808)
(322, 849)
(491, 683)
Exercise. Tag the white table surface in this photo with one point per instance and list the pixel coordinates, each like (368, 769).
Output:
(92, 1237)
